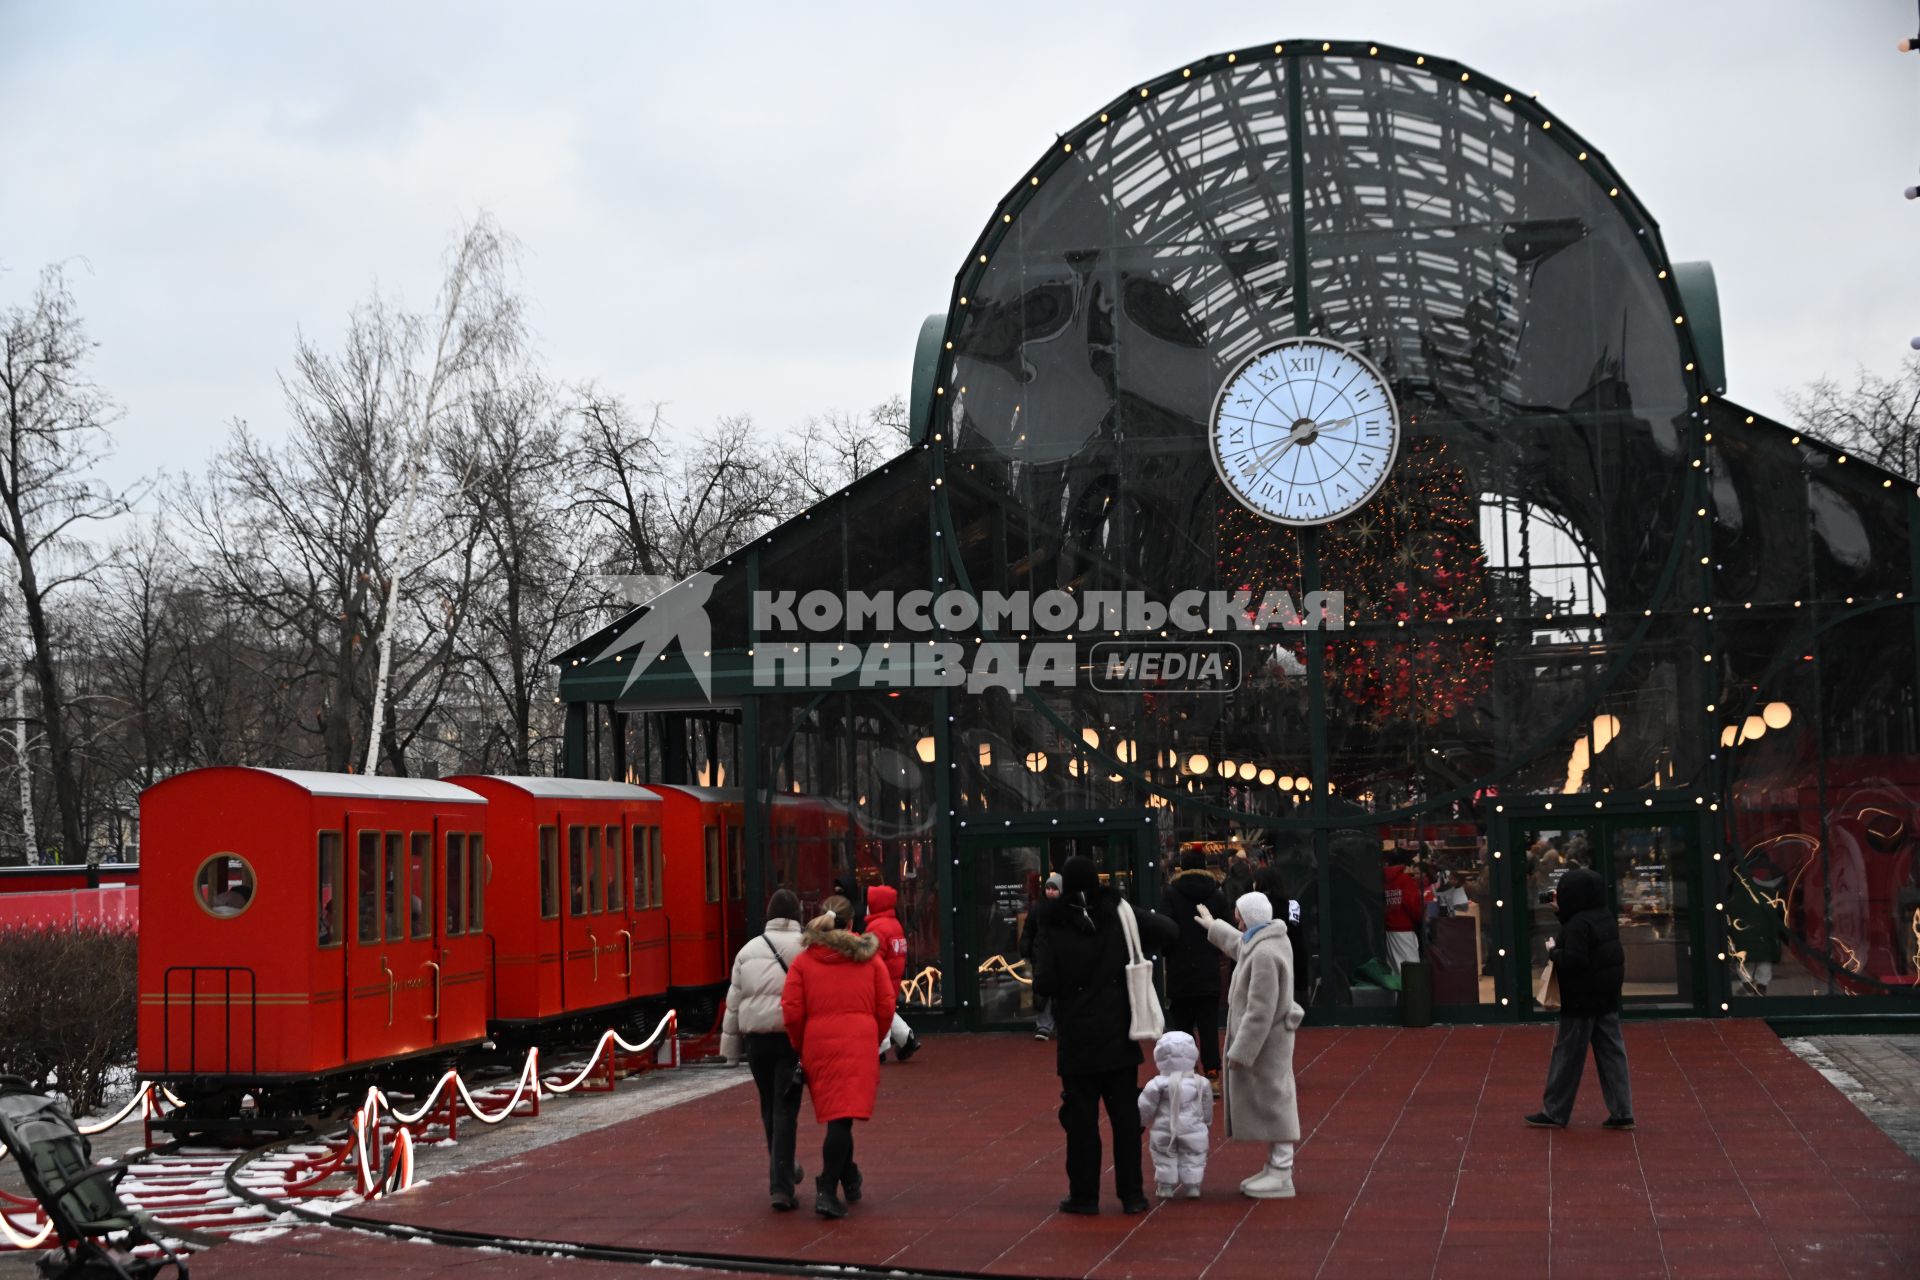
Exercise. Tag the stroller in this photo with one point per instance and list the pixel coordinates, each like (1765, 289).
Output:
(79, 1197)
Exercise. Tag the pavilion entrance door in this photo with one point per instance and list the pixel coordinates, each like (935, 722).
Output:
(1650, 865)
(1000, 877)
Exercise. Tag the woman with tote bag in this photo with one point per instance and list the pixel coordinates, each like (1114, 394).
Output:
(1081, 961)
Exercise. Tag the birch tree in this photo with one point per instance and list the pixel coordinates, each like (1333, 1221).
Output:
(53, 435)
(477, 321)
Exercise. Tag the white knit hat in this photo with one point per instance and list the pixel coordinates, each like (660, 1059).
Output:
(1254, 910)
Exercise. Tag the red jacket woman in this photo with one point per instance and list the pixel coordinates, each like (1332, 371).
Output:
(884, 925)
(837, 1004)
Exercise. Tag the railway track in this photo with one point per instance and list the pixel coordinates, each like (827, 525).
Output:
(198, 1193)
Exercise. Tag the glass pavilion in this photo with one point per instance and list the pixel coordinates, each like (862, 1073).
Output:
(1599, 615)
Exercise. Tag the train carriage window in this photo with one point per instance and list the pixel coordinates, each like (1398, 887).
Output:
(420, 896)
(549, 873)
(713, 864)
(576, 870)
(456, 872)
(736, 864)
(224, 885)
(367, 886)
(658, 857)
(477, 873)
(329, 886)
(616, 869)
(395, 882)
(593, 870)
(642, 891)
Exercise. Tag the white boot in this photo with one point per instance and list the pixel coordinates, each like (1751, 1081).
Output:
(1269, 1184)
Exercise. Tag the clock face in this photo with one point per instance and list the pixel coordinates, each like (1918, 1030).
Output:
(1305, 431)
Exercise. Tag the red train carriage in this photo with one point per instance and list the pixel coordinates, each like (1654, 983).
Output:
(299, 924)
(578, 915)
(706, 878)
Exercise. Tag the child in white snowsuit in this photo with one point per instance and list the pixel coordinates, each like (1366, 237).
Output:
(1177, 1108)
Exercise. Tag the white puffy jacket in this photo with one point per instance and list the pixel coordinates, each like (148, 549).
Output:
(753, 998)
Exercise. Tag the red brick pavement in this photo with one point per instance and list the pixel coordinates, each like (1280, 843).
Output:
(1746, 1163)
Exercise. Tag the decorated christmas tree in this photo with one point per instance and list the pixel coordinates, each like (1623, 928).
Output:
(1414, 555)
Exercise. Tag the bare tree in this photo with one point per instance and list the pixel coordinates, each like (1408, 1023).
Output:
(531, 567)
(479, 321)
(667, 512)
(55, 425)
(836, 449)
(1872, 417)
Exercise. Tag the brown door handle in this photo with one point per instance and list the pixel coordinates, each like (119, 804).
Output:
(390, 988)
(436, 989)
(627, 947)
(593, 949)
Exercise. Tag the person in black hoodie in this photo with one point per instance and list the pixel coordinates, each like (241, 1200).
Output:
(1587, 955)
(1080, 963)
(1193, 965)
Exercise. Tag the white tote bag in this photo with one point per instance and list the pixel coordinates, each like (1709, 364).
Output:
(1148, 1019)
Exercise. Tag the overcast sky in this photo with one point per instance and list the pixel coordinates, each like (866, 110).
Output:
(750, 208)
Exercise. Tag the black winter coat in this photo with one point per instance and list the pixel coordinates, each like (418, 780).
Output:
(1083, 970)
(1193, 963)
(1587, 952)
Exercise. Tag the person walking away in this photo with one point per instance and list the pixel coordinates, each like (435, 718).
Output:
(1406, 909)
(1177, 1109)
(1080, 963)
(884, 925)
(1592, 968)
(754, 1028)
(837, 1003)
(1262, 1103)
(1193, 966)
(1042, 1006)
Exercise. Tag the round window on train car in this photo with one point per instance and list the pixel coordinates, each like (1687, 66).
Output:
(224, 885)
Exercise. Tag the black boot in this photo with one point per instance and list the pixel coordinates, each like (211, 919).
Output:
(907, 1050)
(825, 1203)
(851, 1182)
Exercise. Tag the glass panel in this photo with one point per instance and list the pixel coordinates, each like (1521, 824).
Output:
(420, 884)
(593, 870)
(1648, 874)
(549, 873)
(456, 869)
(659, 860)
(1646, 870)
(642, 871)
(1003, 882)
(713, 864)
(224, 884)
(576, 870)
(395, 886)
(367, 886)
(477, 873)
(736, 864)
(330, 889)
(616, 870)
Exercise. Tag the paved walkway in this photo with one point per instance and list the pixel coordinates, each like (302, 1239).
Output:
(1880, 1074)
(1747, 1162)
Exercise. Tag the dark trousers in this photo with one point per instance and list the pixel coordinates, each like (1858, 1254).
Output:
(1199, 1017)
(837, 1168)
(1081, 1097)
(771, 1057)
(1570, 1061)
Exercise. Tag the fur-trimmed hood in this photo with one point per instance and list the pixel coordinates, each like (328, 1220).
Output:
(857, 947)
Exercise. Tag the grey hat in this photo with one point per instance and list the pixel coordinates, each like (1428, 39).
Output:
(1055, 882)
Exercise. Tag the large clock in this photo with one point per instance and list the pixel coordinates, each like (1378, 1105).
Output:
(1305, 431)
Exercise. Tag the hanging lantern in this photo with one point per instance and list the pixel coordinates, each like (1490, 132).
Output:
(1776, 715)
(924, 749)
(1036, 760)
